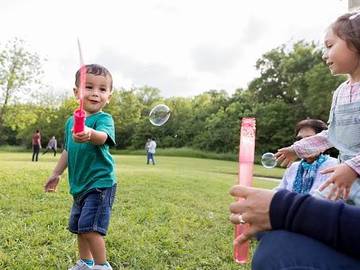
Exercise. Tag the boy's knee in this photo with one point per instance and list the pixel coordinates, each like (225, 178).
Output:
(89, 235)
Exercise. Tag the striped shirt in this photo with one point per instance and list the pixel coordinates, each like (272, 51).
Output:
(346, 93)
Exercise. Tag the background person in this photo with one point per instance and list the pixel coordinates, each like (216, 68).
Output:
(36, 145)
(52, 145)
(151, 151)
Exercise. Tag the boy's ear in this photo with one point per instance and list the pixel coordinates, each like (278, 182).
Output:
(109, 98)
(75, 90)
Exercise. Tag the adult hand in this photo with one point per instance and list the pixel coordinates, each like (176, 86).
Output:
(51, 183)
(342, 177)
(83, 136)
(285, 156)
(254, 210)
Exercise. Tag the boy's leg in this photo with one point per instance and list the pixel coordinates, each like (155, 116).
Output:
(84, 248)
(86, 260)
(94, 221)
(96, 244)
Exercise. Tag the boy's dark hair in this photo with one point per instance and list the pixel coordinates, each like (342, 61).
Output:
(315, 124)
(347, 27)
(96, 70)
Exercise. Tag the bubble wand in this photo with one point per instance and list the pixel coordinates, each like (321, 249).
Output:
(79, 113)
(245, 174)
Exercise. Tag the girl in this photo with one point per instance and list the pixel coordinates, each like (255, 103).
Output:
(342, 55)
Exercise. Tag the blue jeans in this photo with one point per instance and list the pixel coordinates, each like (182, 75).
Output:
(150, 156)
(91, 212)
(283, 250)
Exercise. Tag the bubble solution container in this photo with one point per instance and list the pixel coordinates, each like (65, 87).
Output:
(79, 120)
(246, 163)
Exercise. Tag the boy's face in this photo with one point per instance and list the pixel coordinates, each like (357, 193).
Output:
(97, 93)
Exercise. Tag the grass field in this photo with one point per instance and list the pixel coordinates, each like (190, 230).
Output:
(170, 216)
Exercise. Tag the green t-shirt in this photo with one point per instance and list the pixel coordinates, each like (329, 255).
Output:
(90, 166)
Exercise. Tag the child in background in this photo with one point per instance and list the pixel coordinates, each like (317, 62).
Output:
(91, 170)
(52, 145)
(342, 55)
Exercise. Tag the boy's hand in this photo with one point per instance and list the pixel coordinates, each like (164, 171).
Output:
(286, 156)
(83, 136)
(52, 183)
(343, 177)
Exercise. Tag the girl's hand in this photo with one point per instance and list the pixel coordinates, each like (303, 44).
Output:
(286, 156)
(253, 210)
(52, 183)
(84, 136)
(343, 177)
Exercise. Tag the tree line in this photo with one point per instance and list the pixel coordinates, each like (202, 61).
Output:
(293, 84)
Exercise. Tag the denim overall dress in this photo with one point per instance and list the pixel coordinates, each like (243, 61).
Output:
(344, 134)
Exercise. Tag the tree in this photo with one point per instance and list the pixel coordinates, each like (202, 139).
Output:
(294, 84)
(282, 73)
(19, 69)
(125, 109)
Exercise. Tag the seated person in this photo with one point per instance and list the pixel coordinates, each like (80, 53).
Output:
(304, 176)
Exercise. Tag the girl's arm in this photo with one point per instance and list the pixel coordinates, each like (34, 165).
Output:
(313, 145)
(354, 164)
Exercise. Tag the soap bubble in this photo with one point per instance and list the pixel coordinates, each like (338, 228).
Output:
(159, 115)
(268, 160)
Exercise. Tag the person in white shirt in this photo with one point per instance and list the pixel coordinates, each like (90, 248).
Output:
(151, 151)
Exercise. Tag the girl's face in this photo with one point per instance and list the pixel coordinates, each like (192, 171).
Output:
(339, 57)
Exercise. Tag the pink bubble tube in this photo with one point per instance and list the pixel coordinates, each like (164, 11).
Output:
(79, 113)
(245, 174)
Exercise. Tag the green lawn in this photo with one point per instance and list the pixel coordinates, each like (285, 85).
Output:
(170, 216)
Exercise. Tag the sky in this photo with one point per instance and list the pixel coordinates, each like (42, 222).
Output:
(182, 47)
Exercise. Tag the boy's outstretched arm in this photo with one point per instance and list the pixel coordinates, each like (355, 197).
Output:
(91, 135)
(53, 180)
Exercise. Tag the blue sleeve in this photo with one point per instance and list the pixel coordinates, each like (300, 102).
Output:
(334, 223)
(106, 124)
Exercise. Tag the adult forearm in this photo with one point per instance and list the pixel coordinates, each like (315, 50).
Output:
(333, 223)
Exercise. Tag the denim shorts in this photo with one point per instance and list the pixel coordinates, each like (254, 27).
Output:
(91, 212)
